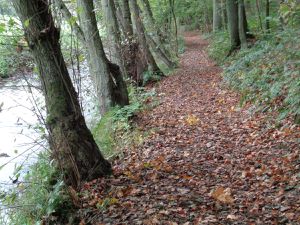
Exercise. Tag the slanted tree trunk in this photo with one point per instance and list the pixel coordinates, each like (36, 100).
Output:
(134, 64)
(242, 17)
(110, 86)
(145, 52)
(109, 9)
(155, 42)
(217, 15)
(158, 37)
(117, 86)
(159, 52)
(233, 24)
(69, 18)
(71, 141)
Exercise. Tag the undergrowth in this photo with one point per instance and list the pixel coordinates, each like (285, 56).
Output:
(41, 196)
(116, 131)
(267, 73)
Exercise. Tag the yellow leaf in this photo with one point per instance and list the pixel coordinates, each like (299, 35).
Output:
(114, 201)
(147, 165)
(192, 120)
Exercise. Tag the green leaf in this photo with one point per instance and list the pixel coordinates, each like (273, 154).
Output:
(26, 22)
(2, 27)
(11, 22)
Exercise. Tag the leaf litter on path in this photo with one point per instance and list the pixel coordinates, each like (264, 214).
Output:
(206, 161)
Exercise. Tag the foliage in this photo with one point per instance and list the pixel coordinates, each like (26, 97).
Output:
(115, 130)
(181, 45)
(191, 14)
(14, 51)
(268, 73)
(40, 196)
(219, 46)
(290, 12)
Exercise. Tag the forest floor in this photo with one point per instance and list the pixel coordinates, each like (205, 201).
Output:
(205, 160)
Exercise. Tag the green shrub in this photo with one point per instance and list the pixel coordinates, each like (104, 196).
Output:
(3, 68)
(40, 196)
(219, 46)
(268, 74)
(114, 131)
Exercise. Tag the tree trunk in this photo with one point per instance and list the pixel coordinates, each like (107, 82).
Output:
(109, 9)
(241, 19)
(103, 72)
(157, 36)
(127, 18)
(217, 15)
(71, 141)
(259, 14)
(173, 16)
(245, 21)
(159, 53)
(69, 18)
(145, 52)
(268, 16)
(224, 14)
(233, 24)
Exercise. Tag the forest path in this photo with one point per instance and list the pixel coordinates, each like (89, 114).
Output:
(205, 161)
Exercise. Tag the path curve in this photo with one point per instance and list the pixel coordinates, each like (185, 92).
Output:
(205, 161)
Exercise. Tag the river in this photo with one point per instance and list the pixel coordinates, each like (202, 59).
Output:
(21, 113)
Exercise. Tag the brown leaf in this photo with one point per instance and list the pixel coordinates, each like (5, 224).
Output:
(222, 195)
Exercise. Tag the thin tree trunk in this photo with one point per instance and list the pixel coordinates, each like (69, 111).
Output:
(127, 18)
(109, 9)
(135, 65)
(146, 53)
(217, 15)
(173, 15)
(224, 14)
(72, 142)
(259, 14)
(163, 57)
(245, 21)
(157, 34)
(233, 24)
(69, 18)
(103, 72)
(268, 16)
(242, 30)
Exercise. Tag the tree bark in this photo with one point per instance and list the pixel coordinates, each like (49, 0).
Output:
(268, 16)
(217, 15)
(69, 18)
(155, 40)
(173, 16)
(71, 141)
(127, 18)
(145, 51)
(159, 52)
(242, 22)
(259, 14)
(103, 72)
(233, 24)
(109, 9)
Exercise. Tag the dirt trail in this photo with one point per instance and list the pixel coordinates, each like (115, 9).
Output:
(205, 160)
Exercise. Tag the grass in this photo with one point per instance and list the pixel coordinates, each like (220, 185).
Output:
(266, 74)
(116, 131)
(39, 197)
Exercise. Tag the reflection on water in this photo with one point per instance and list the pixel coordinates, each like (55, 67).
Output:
(21, 120)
